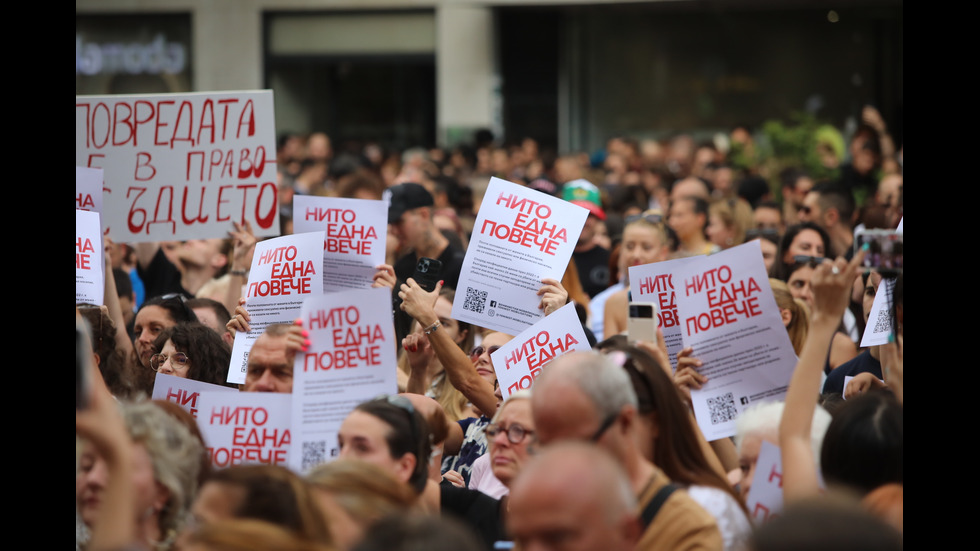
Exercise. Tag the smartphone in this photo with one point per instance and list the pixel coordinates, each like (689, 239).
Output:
(642, 322)
(427, 273)
(885, 251)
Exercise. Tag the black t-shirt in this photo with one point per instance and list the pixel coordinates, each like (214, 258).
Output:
(452, 264)
(161, 277)
(593, 269)
(862, 363)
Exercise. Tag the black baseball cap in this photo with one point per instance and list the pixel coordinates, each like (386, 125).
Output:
(405, 197)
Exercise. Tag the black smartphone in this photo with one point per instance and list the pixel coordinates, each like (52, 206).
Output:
(427, 273)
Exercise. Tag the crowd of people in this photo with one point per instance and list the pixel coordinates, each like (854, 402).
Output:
(602, 452)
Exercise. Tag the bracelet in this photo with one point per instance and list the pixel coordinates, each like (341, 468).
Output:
(431, 329)
(242, 273)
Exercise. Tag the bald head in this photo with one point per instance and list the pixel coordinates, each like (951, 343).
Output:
(597, 511)
(581, 396)
(689, 187)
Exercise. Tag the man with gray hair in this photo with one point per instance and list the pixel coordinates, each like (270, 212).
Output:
(598, 511)
(584, 396)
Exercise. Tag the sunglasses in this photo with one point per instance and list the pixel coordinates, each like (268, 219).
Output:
(479, 350)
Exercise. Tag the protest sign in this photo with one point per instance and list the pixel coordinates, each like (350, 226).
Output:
(181, 166)
(88, 189)
(242, 428)
(285, 270)
(654, 283)
(355, 231)
(879, 325)
(729, 317)
(765, 499)
(520, 237)
(183, 391)
(89, 263)
(351, 359)
(521, 360)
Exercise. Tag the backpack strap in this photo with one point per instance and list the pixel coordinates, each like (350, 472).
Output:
(650, 511)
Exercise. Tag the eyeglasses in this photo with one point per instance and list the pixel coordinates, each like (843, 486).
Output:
(515, 433)
(479, 350)
(178, 360)
(812, 261)
(609, 420)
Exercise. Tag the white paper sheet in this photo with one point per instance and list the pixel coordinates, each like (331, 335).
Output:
(520, 237)
(354, 237)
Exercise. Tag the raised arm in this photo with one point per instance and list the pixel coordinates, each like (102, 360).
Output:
(241, 261)
(111, 300)
(101, 424)
(419, 304)
(831, 284)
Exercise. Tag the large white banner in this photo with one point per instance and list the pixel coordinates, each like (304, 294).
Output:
(181, 166)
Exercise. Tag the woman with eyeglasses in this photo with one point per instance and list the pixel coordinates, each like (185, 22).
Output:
(644, 242)
(192, 350)
(155, 315)
(474, 376)
(511, 436)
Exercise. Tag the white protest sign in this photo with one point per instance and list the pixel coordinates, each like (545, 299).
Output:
(521, 360)
(88, 189)
(242, 428)
(879, 325)
(181, 166)
(183, 391)
(351, 360)
(285, 270)
(765, 499)
(655, 283)
(355, 232)
(89, 264)
(520, 237)
(729, 317)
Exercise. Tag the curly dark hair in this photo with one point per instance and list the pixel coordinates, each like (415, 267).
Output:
(209, 355)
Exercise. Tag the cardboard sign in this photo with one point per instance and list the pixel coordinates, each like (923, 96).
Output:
(351, 360)
(245, 427)
(183, 391)
(89, 263)
(181, 166)
(729, 316)
(285, 270)
(88, 189)
(521, 360)
(355, 232)
(520, 237)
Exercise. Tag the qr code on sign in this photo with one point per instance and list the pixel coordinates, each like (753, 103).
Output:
(722, 408)
(314, 453)
(475, 300)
